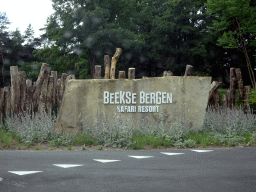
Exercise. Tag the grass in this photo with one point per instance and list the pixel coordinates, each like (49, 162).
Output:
(233, 128)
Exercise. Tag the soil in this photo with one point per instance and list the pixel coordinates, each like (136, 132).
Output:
(46, 147)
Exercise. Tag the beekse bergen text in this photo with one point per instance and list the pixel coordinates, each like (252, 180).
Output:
(122, 97)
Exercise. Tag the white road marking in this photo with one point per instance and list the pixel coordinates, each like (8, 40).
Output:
(201, 151)
(140, 157)
(66, 165)
(105, 161)
(24, 172)
(172, 153)
(1, 178)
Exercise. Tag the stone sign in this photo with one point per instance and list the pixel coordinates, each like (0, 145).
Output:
(158, 99)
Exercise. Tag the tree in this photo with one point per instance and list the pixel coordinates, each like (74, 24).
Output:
(4, 41)
(234, 22)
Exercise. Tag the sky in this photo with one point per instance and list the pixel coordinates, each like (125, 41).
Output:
(23, 12)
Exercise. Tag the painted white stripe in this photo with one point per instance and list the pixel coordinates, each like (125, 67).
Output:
(1, 178)
(201, 151)
(24, 172)
(105, 161)
(172, 153)
(66, 165)
(140, 157)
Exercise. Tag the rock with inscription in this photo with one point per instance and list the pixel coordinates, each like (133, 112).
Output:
(159, 100)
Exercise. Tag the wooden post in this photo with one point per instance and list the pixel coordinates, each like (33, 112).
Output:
(49, 95)
(114, 61)
(54, 74)
(62, 87)
(7, 100)
(29, 95)
(1, 104)
(44, 72)
(121, 75)
(216, 98)
(23, 91)
(167, 73)
(15, 87)
(106, 66)
(43, 96)
(97, 72)
(131, 73)
(232, 87)
(240, 85)
(247, 89)
(58, 92)
(214, 86)
(188, 70)
(224, 102)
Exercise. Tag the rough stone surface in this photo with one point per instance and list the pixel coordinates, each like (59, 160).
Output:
(83, 100)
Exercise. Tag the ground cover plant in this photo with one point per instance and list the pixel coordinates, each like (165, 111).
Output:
(221, 128)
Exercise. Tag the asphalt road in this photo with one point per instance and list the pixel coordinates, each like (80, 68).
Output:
(220, 169)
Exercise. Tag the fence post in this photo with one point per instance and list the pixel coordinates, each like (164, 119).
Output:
(23, 90)
(240, 84)
(7, 98)
(97, 74)
(232, 88)
(114, 61)
(247, 89)
(44, 72)
(188, 70)
(15, 87)
(106, 66)
(131, 73)
(121, 75)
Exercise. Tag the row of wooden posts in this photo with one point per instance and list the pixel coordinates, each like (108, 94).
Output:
(48, 90)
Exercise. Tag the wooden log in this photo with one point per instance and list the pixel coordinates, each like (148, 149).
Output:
(58, 92)
(114, 61)
(167, 73)
(7, 100)
(188, 71)
(29, 95)
(224, 102)
(214, 86)
(240, 85)
(121, 75)
(15, 87)
(1, 104)
(54, 74)
(216, 98)
(97, 72)
(49, 95)
(232, 87)
(44, 73)
(247, 89)
(131, 73)
(106, 66)
(62, 87)
(23, 91)
(43, 97)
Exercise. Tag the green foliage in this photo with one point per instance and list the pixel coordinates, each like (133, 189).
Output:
(32, 69)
